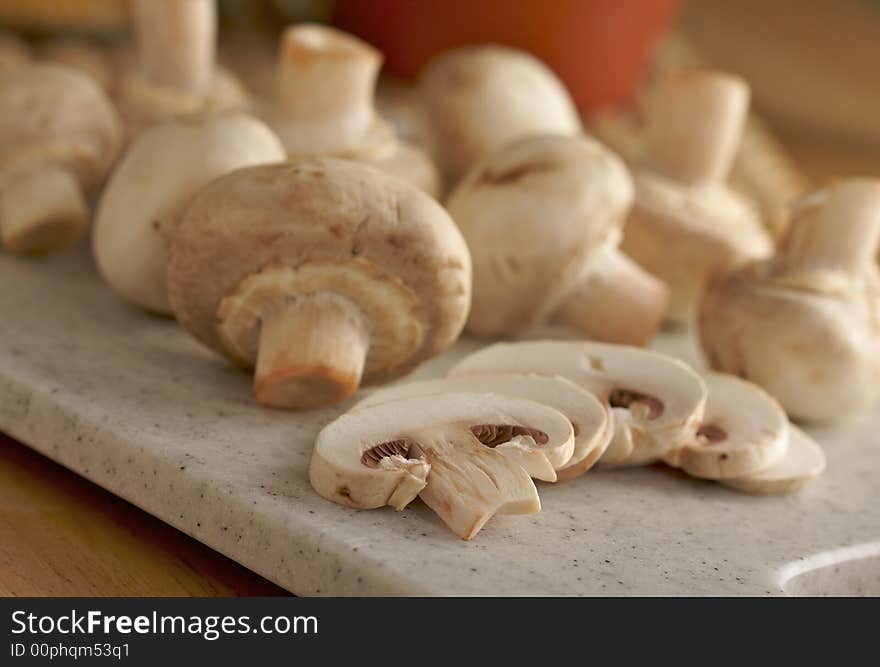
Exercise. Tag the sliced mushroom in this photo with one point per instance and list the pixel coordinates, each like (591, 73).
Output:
(542, 217)
(805, 325)
(686, 225)
(476, 99)
(160, 173)
(59, 135)
(657, 401)
(324, 105)
(744, 431)
(318, 272)
(447, 449)
(804, 461)
(589, 418)
(176, 75)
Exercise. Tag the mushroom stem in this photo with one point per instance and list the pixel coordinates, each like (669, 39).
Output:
(836, 230)
(176, 42)
(326, 79)
(617, 302)
(696, 123)
(42, 210)
(469, 481)
(312, 352)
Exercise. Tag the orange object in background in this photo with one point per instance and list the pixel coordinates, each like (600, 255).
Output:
(597, 47)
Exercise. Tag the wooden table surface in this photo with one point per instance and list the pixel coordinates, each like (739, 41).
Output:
(62, 535)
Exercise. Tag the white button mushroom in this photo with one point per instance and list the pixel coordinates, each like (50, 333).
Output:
(744, 430)
(162, 170)
(88, 58)
(805, 325)
(324, 105)
(318, 272)
(447, 449)
(175, 75)
(59, 134)
(591, 420)
(476, 99)
(542, 218)
(686, 225)
(657, 401)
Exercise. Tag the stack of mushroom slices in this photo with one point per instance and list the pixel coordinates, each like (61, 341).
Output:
(471, 444)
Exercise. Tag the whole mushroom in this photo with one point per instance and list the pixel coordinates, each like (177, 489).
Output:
(542, 217)
(59, 135)
(805, 325)
(161, 171)
(452, 451)
(686, 224)
(320, 273)
(175, 74)
(324, 105)
(476, 99)
(14, 51)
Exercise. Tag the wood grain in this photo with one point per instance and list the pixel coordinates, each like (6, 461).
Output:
(62, 535)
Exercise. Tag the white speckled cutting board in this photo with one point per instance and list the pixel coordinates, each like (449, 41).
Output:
(130, 402)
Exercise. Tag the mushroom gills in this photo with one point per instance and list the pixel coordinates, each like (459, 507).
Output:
(313, 331)
(657, 402)
(803, 462)
(744, 431)
(590, 420)
(466, 455)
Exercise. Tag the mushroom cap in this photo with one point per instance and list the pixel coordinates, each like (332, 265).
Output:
(587, 415)
(330, 224)
(686, 234)
(817, 352)
(337, 470)
(475, 99)
(664, 397)
(534, 213)
(804, 460)
(412, 164)
(744, 430)
(55, 115)
(159, 174)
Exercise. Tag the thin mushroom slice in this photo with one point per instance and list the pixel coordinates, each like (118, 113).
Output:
(657, 401)
(803, 462)
(744, 431)
(589, 418)
(448, 449)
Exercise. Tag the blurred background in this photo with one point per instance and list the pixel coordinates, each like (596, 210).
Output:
(812, 64)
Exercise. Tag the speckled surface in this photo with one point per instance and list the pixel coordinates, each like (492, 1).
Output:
(130, 402)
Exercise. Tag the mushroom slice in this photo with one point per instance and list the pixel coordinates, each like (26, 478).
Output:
(744, 431)
(447, 449)
(589, 418)
(658, 401)
(803, 461)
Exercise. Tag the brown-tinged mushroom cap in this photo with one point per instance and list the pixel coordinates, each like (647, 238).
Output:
(59, 134)
(318, 271)
(541, 217)
(686, 225)
(162, 169)
(451, 450)
(476, 99)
